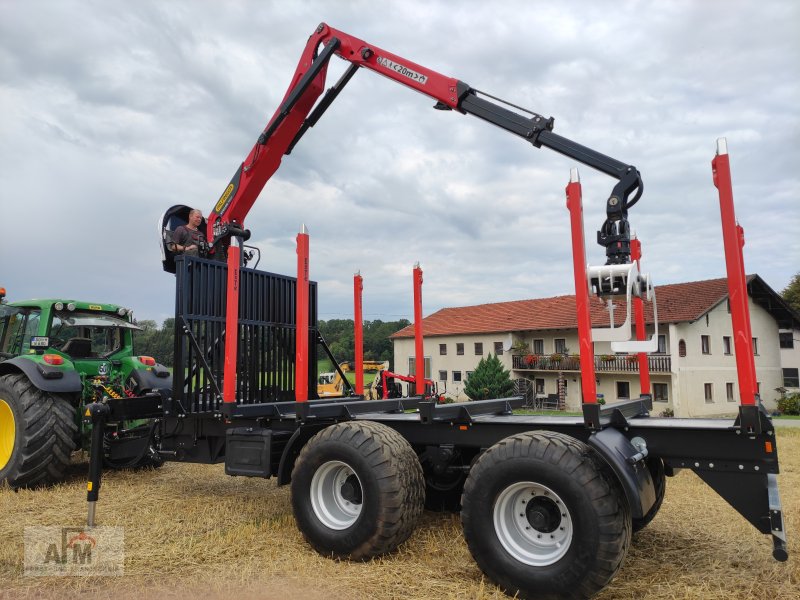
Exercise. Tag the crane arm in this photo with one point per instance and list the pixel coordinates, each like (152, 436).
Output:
(299, 110)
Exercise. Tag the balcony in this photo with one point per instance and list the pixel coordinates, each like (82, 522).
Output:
(603, 363)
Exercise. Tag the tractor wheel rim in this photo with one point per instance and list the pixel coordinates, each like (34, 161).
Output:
(336, 495)
(8, 432)
(532, 523)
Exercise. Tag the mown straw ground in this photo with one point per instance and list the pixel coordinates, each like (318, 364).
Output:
(193, 532)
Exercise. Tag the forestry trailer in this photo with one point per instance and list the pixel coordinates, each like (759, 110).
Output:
(548, 504)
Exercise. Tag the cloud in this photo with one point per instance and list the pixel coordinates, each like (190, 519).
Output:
(114, 111)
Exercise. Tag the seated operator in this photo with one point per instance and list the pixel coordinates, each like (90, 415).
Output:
(188, 239)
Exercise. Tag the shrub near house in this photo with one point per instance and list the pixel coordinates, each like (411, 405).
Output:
(489, 380)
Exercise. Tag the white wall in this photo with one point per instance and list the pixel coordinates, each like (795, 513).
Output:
(697, 369)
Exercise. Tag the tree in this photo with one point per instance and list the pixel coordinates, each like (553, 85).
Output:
(489, 380)
(792, 293)
(154, 341)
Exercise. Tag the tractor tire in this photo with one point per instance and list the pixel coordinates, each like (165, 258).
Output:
(357, 490)
(37, 434)
(544, 517)
(656, 467)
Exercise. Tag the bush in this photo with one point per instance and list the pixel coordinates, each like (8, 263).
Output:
(789, 405)
(489, 380)
(667, 412)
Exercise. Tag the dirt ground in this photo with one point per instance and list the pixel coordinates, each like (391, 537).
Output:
(191, 531)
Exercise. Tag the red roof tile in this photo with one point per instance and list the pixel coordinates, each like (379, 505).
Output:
(676, 302)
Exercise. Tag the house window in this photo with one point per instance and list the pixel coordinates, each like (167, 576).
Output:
(681, 348)
(755, 346)
(786, 339)
(456, 376)
(498, 348)
(662, 343)
(660, 392)
(623, 390)
(539, 386)
(442, 375)
(728, 303)
(478, 348)
(538, 346)
(561, 345)
(460, 349)
(442, 349)
(412, 366)
(726, 344)
(708, 390)
(705, 343)
(468, 375)
(790, 378)
(729, 392)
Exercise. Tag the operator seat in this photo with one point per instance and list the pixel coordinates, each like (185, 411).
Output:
(78, 347)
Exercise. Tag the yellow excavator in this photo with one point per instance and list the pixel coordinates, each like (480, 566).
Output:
(331, 383)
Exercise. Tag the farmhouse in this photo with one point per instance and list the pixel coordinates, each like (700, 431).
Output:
(693, 373)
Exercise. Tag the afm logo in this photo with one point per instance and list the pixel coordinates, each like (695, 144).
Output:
(74, 551)
(75, 540)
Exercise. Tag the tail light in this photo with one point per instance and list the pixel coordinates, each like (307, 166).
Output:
(147, 360)
(53, 359)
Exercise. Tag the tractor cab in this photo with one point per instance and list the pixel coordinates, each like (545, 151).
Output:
(90, 334)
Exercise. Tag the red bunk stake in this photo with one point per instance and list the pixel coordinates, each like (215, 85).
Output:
(733, 238)
(589, 387)
(418, 345)
(301, 332)
(641, 334)
(231, 323)
(358, 287)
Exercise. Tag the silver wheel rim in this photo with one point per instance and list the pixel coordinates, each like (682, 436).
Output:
(532, 523)
(332, 496)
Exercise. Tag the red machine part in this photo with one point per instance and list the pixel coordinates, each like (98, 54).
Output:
(638, 311)
(586, 347)
(231, 323)
(733, 239)
(301, 332)
(418, 339)
(358, 288)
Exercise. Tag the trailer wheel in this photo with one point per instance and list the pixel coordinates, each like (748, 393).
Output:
(357, 490)
(656, 467)
(37, 434)
(544, 517)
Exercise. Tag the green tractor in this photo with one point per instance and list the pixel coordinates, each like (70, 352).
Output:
(56, 357)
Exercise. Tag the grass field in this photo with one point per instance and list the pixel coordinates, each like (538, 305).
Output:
(191, 531)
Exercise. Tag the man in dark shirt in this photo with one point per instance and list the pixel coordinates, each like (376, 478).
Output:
(188, 239)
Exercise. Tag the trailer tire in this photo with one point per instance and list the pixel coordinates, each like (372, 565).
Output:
(38, 434)
(574, 530)
(357, 490)
(656, 467)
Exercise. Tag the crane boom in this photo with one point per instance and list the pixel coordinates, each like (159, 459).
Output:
(299, 110)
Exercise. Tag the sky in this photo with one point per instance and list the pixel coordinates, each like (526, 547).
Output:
(112, 111)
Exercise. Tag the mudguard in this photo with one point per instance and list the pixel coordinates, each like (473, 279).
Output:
(157, 379)
(44, 377)
(630, 469)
